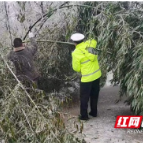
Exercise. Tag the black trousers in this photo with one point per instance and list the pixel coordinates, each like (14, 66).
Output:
(89, 90)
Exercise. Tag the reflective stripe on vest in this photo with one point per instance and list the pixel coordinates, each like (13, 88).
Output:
(91, 73)
(85, 62)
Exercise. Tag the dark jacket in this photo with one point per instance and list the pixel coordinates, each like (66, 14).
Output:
(23, 62)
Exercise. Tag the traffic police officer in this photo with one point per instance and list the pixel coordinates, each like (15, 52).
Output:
(86, 63)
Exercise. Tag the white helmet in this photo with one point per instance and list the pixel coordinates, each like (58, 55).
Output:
(77, 37)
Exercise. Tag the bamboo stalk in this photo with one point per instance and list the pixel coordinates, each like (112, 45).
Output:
(50, 13)
(52, 41)
(8, 24)
(60, 42)
(21, 85)
(28, 121)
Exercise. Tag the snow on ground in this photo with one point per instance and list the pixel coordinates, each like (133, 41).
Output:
(101, 129)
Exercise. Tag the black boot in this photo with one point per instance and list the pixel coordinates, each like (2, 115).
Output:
(83, 118)
(93, 115)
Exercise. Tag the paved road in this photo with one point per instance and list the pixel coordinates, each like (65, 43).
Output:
(101, 129)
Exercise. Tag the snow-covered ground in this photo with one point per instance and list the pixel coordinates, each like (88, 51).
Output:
(101, 129)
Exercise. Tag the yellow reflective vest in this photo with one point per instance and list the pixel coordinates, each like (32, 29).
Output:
(85, 62)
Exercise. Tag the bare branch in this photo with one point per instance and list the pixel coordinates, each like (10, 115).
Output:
(8, 25)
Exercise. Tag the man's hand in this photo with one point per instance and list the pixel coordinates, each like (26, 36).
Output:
(31, 35)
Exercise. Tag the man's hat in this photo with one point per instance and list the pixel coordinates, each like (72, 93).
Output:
(77, 37)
